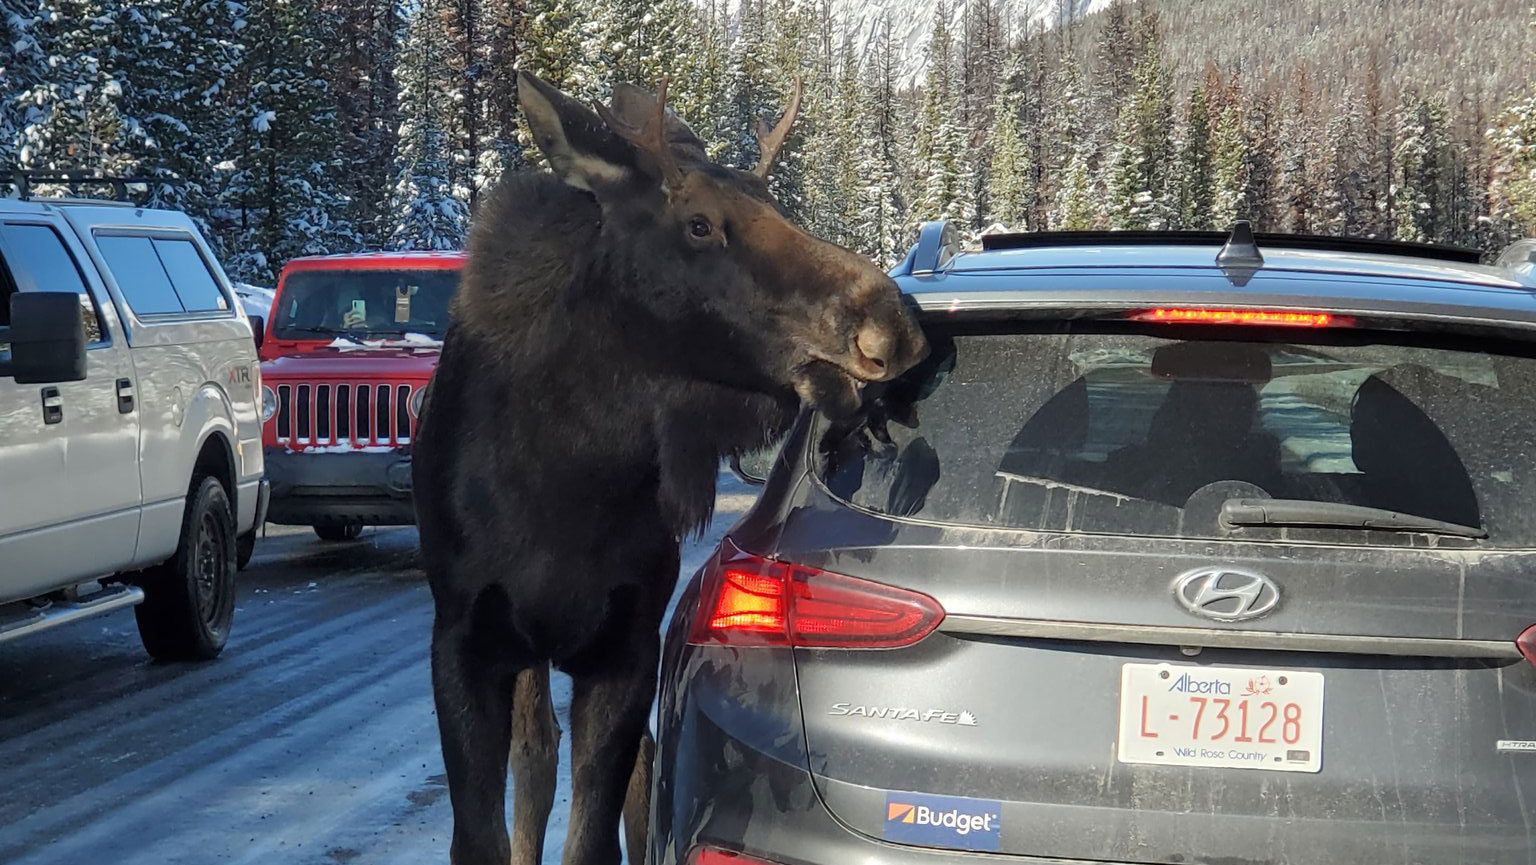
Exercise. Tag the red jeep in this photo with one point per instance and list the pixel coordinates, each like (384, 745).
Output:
(350, 345)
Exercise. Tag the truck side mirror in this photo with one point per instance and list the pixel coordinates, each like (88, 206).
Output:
(258, 329)
(47, 336)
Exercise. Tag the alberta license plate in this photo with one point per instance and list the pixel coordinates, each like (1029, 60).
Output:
(1221, 716)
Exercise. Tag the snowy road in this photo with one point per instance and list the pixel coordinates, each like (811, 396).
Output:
(312, 740)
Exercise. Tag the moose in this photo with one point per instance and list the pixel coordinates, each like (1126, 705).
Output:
(624, 322)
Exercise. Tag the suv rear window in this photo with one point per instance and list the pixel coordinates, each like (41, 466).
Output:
(1142, 431)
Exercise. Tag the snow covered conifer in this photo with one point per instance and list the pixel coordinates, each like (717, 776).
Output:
(1196, 180)
(1011, 182)
(426, 212)
(285, 186)
(1230, 164)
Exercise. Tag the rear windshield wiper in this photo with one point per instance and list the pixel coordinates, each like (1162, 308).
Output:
(1303, 512)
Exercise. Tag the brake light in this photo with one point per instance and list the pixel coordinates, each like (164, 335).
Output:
(716, 856)
(1526, 642)
(751, 601)
(1265, 317)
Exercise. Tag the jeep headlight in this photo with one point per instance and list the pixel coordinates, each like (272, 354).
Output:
(268, 403)
(417, 399)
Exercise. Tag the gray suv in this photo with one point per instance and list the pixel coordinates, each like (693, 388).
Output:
(1179, 548)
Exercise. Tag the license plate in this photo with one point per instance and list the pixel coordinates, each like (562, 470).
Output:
(1221, 717)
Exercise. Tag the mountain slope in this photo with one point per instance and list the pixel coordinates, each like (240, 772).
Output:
(912, 22)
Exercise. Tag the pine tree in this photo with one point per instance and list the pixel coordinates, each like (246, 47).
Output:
(1421, 192)
(1230, 164)
(939, 147)
(1196, 178)
(748, 77)
(190, 61)
(1075, 208)
(647, 40)
(427, 213)
(887, 147)
(1117, 53)
(1141, 191)
(71, 120)
(283, 194)
(1262, 154)
(703, 96)
(22, 68)
(367, 115)
(1010, 185)
(1513, 184)
(1298, 174)
(500, 148)
(1346, 205)
(1068, 149)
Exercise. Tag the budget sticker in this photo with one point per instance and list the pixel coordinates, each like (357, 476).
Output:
(954, 822)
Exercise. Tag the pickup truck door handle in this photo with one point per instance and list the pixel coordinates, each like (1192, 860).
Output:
(124, 395)
(53, 405)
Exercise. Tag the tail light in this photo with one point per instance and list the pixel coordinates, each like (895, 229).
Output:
(1526, 642)
(716, 856)
(1262, 317)
(747, 600)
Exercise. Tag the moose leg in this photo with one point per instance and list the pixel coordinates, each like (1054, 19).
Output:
(535, 760)
(608, 717)
(637, 801)
(474, 716)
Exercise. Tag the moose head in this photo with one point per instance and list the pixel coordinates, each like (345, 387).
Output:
(706, 255)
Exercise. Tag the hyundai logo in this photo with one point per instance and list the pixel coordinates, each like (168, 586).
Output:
(1226, 594)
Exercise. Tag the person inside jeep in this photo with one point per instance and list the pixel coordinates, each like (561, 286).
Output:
(363, 303)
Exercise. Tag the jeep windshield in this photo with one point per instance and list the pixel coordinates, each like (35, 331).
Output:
(364, 304)
(1327, 437)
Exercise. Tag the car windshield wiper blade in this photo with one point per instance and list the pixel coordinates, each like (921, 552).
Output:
(326, 331)
(1304, 512)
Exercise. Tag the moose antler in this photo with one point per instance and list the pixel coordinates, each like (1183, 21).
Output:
(651, 138)
(769, 143)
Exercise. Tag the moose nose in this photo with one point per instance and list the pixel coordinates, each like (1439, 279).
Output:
(877, 346)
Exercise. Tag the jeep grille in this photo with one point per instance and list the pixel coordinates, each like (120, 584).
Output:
(359, 415)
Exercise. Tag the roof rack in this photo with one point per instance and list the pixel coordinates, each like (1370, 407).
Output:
(23, 181)
(1249, 242)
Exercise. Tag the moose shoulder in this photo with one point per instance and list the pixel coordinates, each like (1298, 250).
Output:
(623, 323)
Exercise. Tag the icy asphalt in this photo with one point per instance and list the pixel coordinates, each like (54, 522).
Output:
(311, 740)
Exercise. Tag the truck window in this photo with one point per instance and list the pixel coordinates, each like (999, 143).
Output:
(194, 283)
(36, 259)
(140, 275)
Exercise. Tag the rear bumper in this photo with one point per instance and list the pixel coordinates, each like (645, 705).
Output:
(311, 489)
(732, 772)
(717, 791)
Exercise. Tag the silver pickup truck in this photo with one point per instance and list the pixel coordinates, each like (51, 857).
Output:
(130, 434)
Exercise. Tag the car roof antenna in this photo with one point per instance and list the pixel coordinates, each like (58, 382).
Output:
(1240, 258)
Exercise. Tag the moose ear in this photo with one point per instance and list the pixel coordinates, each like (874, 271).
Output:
(635, 106)
(580, 148)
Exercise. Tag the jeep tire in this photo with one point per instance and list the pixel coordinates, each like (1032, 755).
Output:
(189, 600)
(339, 531)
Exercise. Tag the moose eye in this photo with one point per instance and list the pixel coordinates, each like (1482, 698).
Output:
(699, 227)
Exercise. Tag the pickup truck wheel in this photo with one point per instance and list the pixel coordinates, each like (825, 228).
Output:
(245, 547)
(189, 601)
(343, 532)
